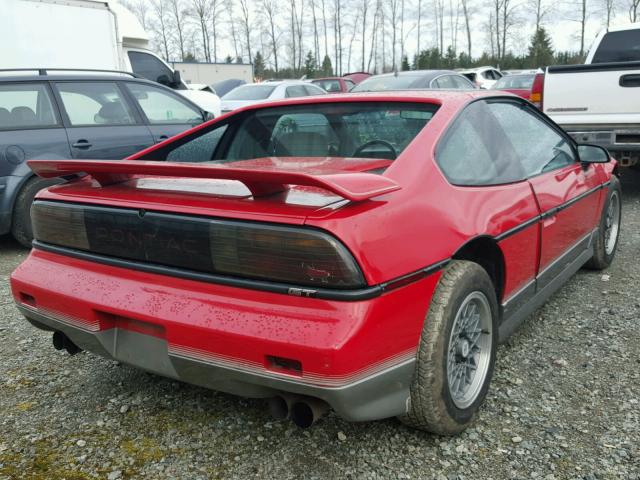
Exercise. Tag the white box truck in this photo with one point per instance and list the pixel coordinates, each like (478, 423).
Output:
(88, 35)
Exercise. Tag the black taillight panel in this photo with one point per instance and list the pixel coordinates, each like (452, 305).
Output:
(252, 250)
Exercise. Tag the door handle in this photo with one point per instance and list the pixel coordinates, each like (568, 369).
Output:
(631, 80)
(82, 143)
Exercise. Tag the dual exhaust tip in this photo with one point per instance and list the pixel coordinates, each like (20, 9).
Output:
(62, 342)
(302, 411)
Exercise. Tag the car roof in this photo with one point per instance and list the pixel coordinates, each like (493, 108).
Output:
(452, 98)
(10, 77)
(417, 73)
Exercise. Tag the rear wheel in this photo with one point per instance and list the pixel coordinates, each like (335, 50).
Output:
(457, 351)
(21, 221)
(606, 242)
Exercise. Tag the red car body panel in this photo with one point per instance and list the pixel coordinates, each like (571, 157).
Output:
(337, 343)
(520, 92)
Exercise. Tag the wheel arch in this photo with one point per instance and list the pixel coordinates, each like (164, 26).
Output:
(485, 251)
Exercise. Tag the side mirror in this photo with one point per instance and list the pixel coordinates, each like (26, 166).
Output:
(206, 116)
(176, 80)
(593, 154)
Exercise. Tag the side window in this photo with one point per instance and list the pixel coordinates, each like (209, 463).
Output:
(26, 105)
(350, 85)
(198, 149)
(94, 103)
(539, 146)
(460, 82)
(163, 107)
(313, 90)
(497, 75)
(150, 67)
(475, 151)
(295, 91)
(445, 81)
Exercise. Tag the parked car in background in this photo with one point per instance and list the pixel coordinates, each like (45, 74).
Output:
(357, 77)
(414, 80)
(89, 116)
(599, 102)
(317, 264)
(86, 34)
(225, 86)
(334, 84)
(518, 84)
(252, 93)
(482, 77)
(201, 87)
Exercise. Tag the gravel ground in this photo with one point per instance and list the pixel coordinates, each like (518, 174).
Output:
(564, 403)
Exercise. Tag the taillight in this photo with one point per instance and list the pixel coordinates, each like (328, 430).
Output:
(537, 89)
(297, 256)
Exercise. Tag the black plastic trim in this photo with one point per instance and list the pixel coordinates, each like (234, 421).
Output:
(594, 67)
(286, 289)
(549, 213)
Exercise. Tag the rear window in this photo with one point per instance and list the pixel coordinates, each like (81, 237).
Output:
(375, 130)
(329, 85)
(515, 81)
(618, 47)
(390, 82)
(250, 92)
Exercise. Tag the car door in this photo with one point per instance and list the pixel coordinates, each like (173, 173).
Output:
(100, 123)
(568, 192)
(165, 112)
(30, 127)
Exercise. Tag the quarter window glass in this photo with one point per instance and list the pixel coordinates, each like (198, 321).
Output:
(475, 150)
(95, 103)
(163, 107)
(460, 82)
(150, 68)
(295, 91)
(445, 82)
(200, 149)
(329, 85)
(25, 106)
(350, 84)
(539, 147)
(313, 90)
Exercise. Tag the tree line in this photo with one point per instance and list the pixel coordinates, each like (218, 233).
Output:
(290, 38)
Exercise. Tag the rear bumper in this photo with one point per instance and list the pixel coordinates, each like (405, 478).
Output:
(357, 356)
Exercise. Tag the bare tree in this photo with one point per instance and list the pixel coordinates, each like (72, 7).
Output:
(419, 26)
(354, 32)
(160, 26)
(299, 18)
(234, 32)
(201, 12)
(540, 10)
(579, 11)
(245, 17)
(609, 11)
(179, 12)
(394, 10)
(364, 7)
(270, 8)
(337, 35)
(324, 26)
(633, 10)
(216, 6)
(316, 38)
(467, 23)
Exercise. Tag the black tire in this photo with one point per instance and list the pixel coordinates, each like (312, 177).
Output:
(21, 219)
(602, 257)
(432, 407)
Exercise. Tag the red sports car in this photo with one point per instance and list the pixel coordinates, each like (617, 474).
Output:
(364, 252)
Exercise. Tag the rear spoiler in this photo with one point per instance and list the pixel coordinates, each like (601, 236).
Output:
(356, 187)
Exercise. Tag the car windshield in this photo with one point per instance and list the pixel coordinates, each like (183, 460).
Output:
(515, 81)
(373, 130)
(250, 92)
(387, 82)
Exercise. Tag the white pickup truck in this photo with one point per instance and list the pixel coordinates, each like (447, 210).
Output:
(599, 102)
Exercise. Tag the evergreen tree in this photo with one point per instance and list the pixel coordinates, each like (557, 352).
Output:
(258, 66)
(228, 59)
(405, 64)
(310, 65)
(190, 57)
(540, 50)
(327, 68)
